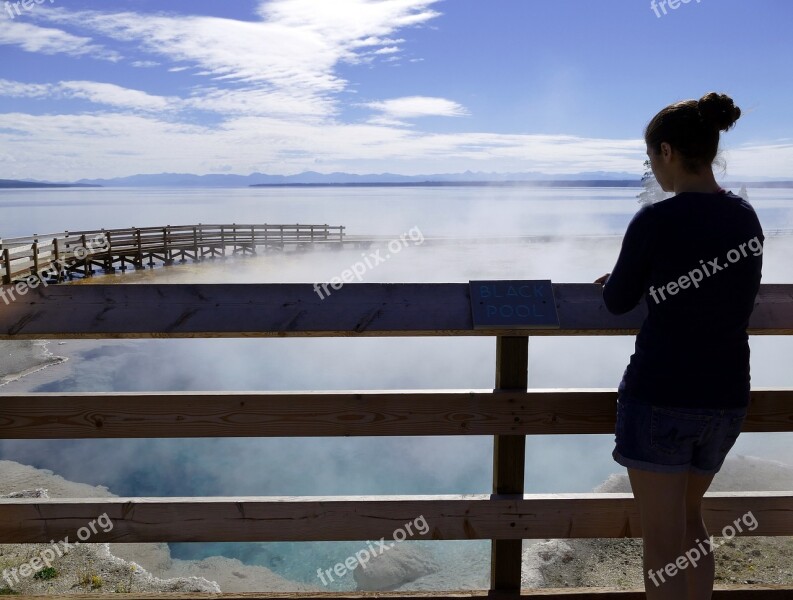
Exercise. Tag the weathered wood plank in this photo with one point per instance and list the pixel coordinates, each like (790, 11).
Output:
(334, 518)
(730, 592)
(296, 310)
(721, 592)
(509, 460)
(342, 413)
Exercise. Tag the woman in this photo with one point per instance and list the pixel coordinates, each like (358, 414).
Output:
(697, 259)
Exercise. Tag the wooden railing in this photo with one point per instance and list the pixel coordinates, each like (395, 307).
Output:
(508, 412)
(73, 252)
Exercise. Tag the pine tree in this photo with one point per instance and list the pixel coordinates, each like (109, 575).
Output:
(652, 191)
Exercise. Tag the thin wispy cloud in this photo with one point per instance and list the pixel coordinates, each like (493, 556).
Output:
(411, 107)
(388, 50)
(293, 51)
(47, 40)
(145, 64)
(99, 93)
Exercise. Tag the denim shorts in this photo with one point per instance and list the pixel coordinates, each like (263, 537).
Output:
(667, 439)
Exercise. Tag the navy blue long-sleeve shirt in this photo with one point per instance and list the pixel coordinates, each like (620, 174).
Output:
(696, 259)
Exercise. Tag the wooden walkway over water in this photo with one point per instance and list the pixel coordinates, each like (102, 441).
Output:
(70, 253)
(61, 256)
(508, 412)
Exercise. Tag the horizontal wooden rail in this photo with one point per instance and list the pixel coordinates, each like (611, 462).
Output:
(324, 414)
(27, 240)
(338, 518)
(296, 310)
(721, 592)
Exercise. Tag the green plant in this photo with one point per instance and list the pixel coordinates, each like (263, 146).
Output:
(122, 588)
(46, 573)
(87, 576)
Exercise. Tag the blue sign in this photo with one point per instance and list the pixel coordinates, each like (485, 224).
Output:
(513, 304)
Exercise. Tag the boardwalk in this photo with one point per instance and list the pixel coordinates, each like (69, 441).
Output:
(60, 256)
(63, 255)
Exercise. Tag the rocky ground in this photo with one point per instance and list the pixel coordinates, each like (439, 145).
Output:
(618, 563)
(112, 567)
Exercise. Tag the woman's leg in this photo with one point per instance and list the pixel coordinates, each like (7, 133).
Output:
(700, 579)
(661, 499)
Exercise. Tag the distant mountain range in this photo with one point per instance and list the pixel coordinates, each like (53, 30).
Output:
(12, 183)
(314, 178)
(311, 178)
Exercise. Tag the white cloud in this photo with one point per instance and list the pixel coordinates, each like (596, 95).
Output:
(16, 89)
(260, 102)
(761, 159)
(95, 92)
(293, 51)
(67, 147)
(114, 95)
(410, 107)
(145, 64)
(44, 40)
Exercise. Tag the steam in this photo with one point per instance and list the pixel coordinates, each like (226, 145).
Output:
(401, 465)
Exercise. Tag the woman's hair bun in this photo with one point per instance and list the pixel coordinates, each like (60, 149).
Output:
(718, 110)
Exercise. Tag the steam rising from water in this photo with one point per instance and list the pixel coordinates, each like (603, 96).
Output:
(428, 465)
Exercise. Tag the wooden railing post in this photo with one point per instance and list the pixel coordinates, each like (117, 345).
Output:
(66, 247)
(139, 245)
(83, 244)
(56, 262)
(7, 266)
(509, 451)
(195, 242)
(167, 254)
(35, 249)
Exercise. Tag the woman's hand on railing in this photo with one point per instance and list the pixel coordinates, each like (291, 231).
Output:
(602, 280)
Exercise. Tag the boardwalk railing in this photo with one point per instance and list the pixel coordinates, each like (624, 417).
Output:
(79, 252)
(508, 412)
(63, 255)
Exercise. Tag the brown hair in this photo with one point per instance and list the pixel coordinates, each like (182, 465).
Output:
(692, 128)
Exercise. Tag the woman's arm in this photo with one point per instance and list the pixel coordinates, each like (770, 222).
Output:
(624, 287)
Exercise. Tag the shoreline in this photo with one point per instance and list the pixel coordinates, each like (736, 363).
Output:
(30, 360)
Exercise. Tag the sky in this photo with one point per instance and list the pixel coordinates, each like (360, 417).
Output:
(110, 88)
